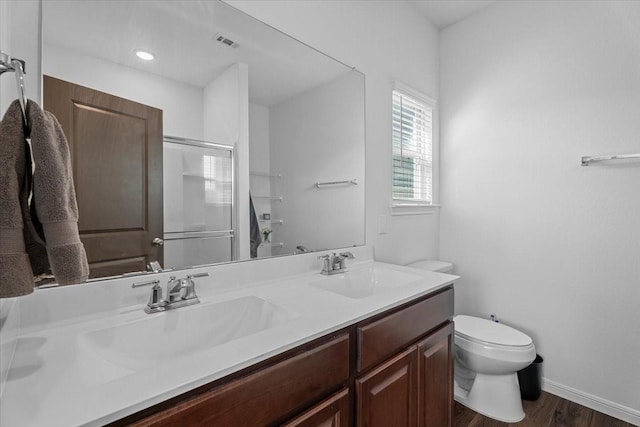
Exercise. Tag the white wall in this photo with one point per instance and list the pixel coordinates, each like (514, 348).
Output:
(7, 90)
(259, 161)
(181, 103)
(15, 17)
(226, 120)
(549, 246)
(386, 41)
(312, 140)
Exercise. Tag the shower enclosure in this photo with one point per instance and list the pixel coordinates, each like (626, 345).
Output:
(199, 209)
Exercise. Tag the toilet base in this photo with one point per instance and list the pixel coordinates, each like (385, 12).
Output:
(495, 396)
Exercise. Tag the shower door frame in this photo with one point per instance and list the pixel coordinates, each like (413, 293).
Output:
(232, 232)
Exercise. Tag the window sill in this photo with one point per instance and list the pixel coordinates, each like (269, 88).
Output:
(407, 208)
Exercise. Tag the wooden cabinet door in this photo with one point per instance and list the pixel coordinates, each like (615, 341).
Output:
(387, 396)
(263, 397)
(435, 378)
(116, 153)
(332, 412)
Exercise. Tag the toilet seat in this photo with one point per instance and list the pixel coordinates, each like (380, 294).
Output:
(491, 334)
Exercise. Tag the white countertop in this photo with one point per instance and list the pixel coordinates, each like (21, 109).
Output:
(53, 381)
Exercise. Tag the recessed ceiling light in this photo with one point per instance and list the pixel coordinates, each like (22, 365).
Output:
(144, 55)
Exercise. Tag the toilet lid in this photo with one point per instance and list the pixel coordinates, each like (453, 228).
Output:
(490, 332)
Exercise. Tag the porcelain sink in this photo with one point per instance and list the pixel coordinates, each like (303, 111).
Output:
(176, 333)
(365, 282)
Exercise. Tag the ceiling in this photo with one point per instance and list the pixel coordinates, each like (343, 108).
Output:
(182, 35)
(443, 13)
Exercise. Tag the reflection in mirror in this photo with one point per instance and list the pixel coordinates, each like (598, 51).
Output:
(198, 215)
(279, 116)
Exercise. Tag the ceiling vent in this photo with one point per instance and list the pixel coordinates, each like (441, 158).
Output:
(225, 40)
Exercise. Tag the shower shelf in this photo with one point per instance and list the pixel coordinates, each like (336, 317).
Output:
(273, 221)
(276, 198)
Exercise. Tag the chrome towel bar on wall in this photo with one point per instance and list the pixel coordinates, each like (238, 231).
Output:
(325, 184)
(587, 160)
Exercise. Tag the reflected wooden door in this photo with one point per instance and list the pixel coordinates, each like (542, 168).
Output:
(116, 150)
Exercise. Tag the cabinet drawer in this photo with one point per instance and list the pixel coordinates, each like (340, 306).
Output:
(382, 338)
(265, 396)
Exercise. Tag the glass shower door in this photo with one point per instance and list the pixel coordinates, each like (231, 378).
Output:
(198, 203)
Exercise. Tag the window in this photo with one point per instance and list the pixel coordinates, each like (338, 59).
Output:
(412, 161)
(217, 180)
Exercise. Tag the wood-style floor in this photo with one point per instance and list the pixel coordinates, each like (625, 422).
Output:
(548, 411)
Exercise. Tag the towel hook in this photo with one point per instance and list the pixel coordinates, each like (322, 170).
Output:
(8, 63)
(18, 66)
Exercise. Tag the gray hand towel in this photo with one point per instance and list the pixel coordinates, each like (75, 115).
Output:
(16, 276)
(54, 206)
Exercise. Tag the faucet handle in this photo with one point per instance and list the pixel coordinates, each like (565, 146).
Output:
(147, 283)
(154, 267)
(326, 263)
(342, 257)
(155, 299)
(156, 303)
(189, 285)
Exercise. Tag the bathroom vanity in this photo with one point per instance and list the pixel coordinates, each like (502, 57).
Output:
(391, 369)
(295, 350)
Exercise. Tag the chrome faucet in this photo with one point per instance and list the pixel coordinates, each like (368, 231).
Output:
(334, 264)
(180, 293)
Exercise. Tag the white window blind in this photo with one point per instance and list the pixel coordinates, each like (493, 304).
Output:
(412, 149)
(217, 179)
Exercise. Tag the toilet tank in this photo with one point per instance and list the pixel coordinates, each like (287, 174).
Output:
(433, 265)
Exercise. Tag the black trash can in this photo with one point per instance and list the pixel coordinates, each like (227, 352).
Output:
(530, 379)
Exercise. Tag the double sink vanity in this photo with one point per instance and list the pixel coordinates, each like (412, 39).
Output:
(361, 347)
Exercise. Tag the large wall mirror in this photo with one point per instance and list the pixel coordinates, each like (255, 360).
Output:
(234, 134)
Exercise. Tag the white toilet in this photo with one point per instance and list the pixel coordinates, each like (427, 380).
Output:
(487, 357)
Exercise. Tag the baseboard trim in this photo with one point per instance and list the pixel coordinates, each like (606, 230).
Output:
(596, 403)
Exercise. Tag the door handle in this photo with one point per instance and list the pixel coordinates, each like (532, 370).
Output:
(157, 241)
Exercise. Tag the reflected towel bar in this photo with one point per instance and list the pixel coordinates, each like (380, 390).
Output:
(323, 184)
(587, 160)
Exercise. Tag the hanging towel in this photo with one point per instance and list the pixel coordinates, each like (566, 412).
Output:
(16, 276)
(54, 211)
(254, 229)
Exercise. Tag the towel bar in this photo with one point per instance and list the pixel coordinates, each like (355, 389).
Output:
(323, 184)
(587, 160)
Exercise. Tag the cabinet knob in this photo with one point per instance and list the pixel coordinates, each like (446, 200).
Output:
(157, 241)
